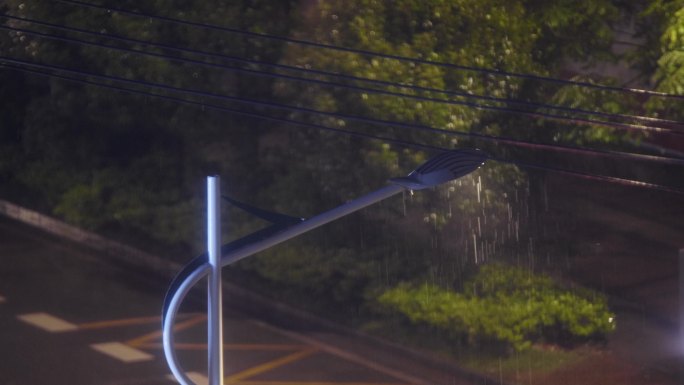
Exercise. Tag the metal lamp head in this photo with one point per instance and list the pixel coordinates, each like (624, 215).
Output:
(442, 168)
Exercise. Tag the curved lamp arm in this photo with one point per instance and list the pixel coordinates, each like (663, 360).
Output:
(442, 168)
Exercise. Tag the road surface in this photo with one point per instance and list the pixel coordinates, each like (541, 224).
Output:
(70, 316)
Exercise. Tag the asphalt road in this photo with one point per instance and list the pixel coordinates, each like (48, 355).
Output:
(69, 316)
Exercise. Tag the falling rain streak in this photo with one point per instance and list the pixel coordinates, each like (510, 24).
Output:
(474, 220)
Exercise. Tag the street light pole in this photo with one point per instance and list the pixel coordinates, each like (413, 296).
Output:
(215, 300)
(440, 169)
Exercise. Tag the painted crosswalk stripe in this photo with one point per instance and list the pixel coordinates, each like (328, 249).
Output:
(48, 322)
(197, 378)
(122, 352)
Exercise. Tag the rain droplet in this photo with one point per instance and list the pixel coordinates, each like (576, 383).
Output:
(475, 247)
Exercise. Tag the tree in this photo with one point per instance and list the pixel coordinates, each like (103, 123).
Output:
(131, 163)
(462, 224)
(665, 54)
(121, 161)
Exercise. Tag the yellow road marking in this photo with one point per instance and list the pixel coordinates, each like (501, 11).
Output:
(144, 342)
(136, 342)
(119, 322)
(348, 356)
(270, 365)
(203, 346)
(127, 322)
(310, 383)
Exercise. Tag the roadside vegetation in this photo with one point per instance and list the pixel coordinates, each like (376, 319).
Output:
(506, 306)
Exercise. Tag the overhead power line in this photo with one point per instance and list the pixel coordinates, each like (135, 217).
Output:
(372, 121)
(484, 70)
(409, 144)
(623, 126)
(461, 94)
(18, 66)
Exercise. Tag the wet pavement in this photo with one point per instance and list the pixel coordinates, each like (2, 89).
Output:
(629, 240)
(69, 316)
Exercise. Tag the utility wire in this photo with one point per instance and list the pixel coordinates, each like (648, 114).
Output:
(484, 70)
(603, 178)
(624, 126)
(388, 123)
(408, 144)
(327, 73)
(21, 67)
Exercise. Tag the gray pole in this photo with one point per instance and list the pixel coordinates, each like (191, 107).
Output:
(243, 252)
(215, 311)
(440, 169)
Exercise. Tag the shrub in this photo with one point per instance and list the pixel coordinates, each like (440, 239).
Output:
(506, 305)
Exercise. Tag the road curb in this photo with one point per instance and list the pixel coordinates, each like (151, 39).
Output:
(282, 314)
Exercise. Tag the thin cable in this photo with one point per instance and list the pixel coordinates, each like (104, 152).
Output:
(410, 126)
(332, 74)
(603, 178)
(229, 110)
(623, 126)
(408, 144)
(376, 54)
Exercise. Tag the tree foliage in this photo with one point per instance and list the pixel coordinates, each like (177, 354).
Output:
(116, 161)
(666, 53)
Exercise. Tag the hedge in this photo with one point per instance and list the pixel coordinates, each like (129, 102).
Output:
(507, 305)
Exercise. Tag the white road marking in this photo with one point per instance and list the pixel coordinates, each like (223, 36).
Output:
(198, 379)
(122, 352)
(48, 322)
